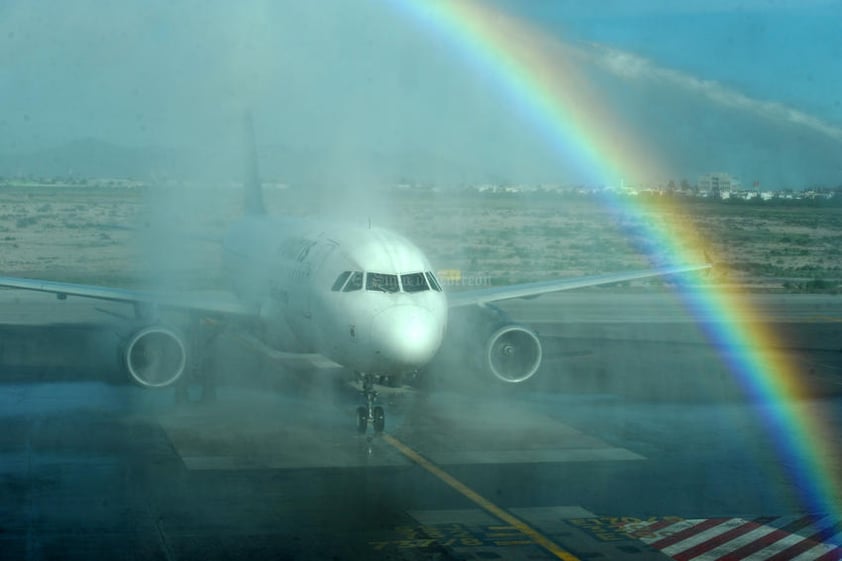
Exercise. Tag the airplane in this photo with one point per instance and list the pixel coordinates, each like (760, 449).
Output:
(364, 298)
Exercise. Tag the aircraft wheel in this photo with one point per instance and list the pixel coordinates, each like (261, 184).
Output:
(362, 419)
(379, 421)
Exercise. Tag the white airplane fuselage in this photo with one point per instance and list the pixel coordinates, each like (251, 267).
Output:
(363, 297)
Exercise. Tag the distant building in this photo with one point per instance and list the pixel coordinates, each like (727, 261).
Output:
(718, 185)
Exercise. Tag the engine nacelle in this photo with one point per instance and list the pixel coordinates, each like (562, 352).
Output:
(155, 356)
(488, 338)
(513, 353)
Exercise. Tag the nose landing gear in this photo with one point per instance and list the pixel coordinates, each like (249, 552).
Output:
(370, 413)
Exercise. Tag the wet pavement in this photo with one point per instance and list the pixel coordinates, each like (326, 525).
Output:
(570, 465)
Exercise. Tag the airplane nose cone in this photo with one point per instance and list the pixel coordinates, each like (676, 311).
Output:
(406, 336)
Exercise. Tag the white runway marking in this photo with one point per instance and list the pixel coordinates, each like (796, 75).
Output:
(263, 431)
(607, 454)
(796, 537)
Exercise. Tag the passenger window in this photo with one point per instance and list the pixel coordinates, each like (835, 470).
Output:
(355, 282)
(431, 278)
(340, 280)
(381, 282)
(414, 282)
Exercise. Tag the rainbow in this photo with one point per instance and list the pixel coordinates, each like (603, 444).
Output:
(536, 75)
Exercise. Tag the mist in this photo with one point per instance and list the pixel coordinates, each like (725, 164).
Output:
(612, 401)
(349, 96)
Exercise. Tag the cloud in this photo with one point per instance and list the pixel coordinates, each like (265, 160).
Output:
(631, 66)
(625, 8)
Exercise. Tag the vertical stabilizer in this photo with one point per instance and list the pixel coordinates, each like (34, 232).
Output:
(253, 192)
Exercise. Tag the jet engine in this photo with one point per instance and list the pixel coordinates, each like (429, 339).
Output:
(495, 344)
(513, 353)
(155, 356)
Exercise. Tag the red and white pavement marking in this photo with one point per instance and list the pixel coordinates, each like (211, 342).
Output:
(800, 538)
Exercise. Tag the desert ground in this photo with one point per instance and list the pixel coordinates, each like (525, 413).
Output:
(136, 235)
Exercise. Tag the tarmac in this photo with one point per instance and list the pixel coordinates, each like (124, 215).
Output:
(635, 440)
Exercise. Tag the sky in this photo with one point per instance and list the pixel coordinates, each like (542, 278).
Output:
(360, 91)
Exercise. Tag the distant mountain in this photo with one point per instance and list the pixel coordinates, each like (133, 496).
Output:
(775, 155)
(294, 164)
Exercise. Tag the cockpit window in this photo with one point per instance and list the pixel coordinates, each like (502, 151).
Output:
(355, 282)
(340, 281)
(349, 281)
(414, 282)
(381, 282)
(434, 284)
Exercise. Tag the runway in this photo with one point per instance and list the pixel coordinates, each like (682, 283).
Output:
(631, 443)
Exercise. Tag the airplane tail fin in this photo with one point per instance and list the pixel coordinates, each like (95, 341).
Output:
(253, 192)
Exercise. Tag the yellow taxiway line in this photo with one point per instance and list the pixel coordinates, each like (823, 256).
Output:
(533, 534)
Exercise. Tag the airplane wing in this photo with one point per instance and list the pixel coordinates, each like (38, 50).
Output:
(221, 302)
(533, 289)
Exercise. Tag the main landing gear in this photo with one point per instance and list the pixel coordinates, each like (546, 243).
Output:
(370, 413)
